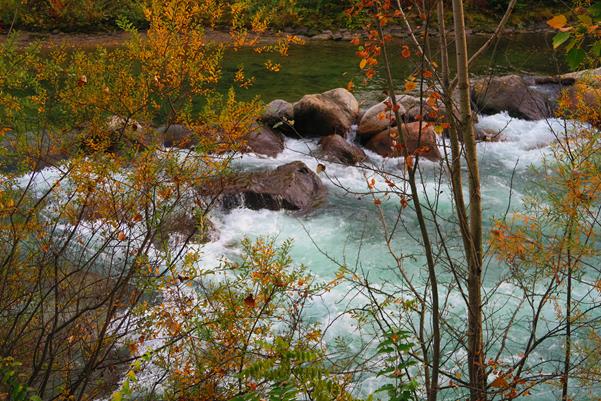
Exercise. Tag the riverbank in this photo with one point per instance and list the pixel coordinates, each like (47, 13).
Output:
(115, 39)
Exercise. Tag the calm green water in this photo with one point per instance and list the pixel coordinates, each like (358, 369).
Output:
(318, 66)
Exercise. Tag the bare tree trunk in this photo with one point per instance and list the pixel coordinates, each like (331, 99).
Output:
(455, 164)
(432, 389)
(477, 370)
(568, 341)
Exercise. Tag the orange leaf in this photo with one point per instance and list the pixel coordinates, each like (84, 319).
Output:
(363, 63)
(249, 301)
(409, 162)
(409, 86)
(499, 382)
(405, 52)
(121, 236)
(557, 22)
(422, 150)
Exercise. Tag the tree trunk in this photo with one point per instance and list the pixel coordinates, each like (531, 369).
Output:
(477, 369)
(432, 388)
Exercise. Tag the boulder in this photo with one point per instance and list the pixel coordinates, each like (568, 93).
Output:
(510, 93)
(185, 226)
(322, 36)
(177, 136)
(332, 112)
(413, 110)
(376, 119)
(488, 135)
(336, 148)
(263, 140)
(292, 186)
(384, 144)
(583, 75)
(277, 111)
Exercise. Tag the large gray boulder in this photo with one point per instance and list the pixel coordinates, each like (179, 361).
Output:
(332, 112)
(513, 94)
(387, 143)
(337, 149)
(292, 186)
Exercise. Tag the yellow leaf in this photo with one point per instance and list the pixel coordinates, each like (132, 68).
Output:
(363, 63)
(557, 22)
(410, 85)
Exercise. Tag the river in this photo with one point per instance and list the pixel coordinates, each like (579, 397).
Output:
(349, 231)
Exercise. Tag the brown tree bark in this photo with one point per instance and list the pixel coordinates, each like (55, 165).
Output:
(432, 387)
(477, 369)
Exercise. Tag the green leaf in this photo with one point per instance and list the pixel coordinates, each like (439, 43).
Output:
(586, 20)
(571, 45)
(595, 10)
(575, 58)
(386, 387)
(560, 38)
(596, 49)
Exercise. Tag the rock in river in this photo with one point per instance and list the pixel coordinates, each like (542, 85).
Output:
(376, 119)
(263, 140)
(384, 145)
(292, 186)
(511, 93)
(332, 112)
(338, 149)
